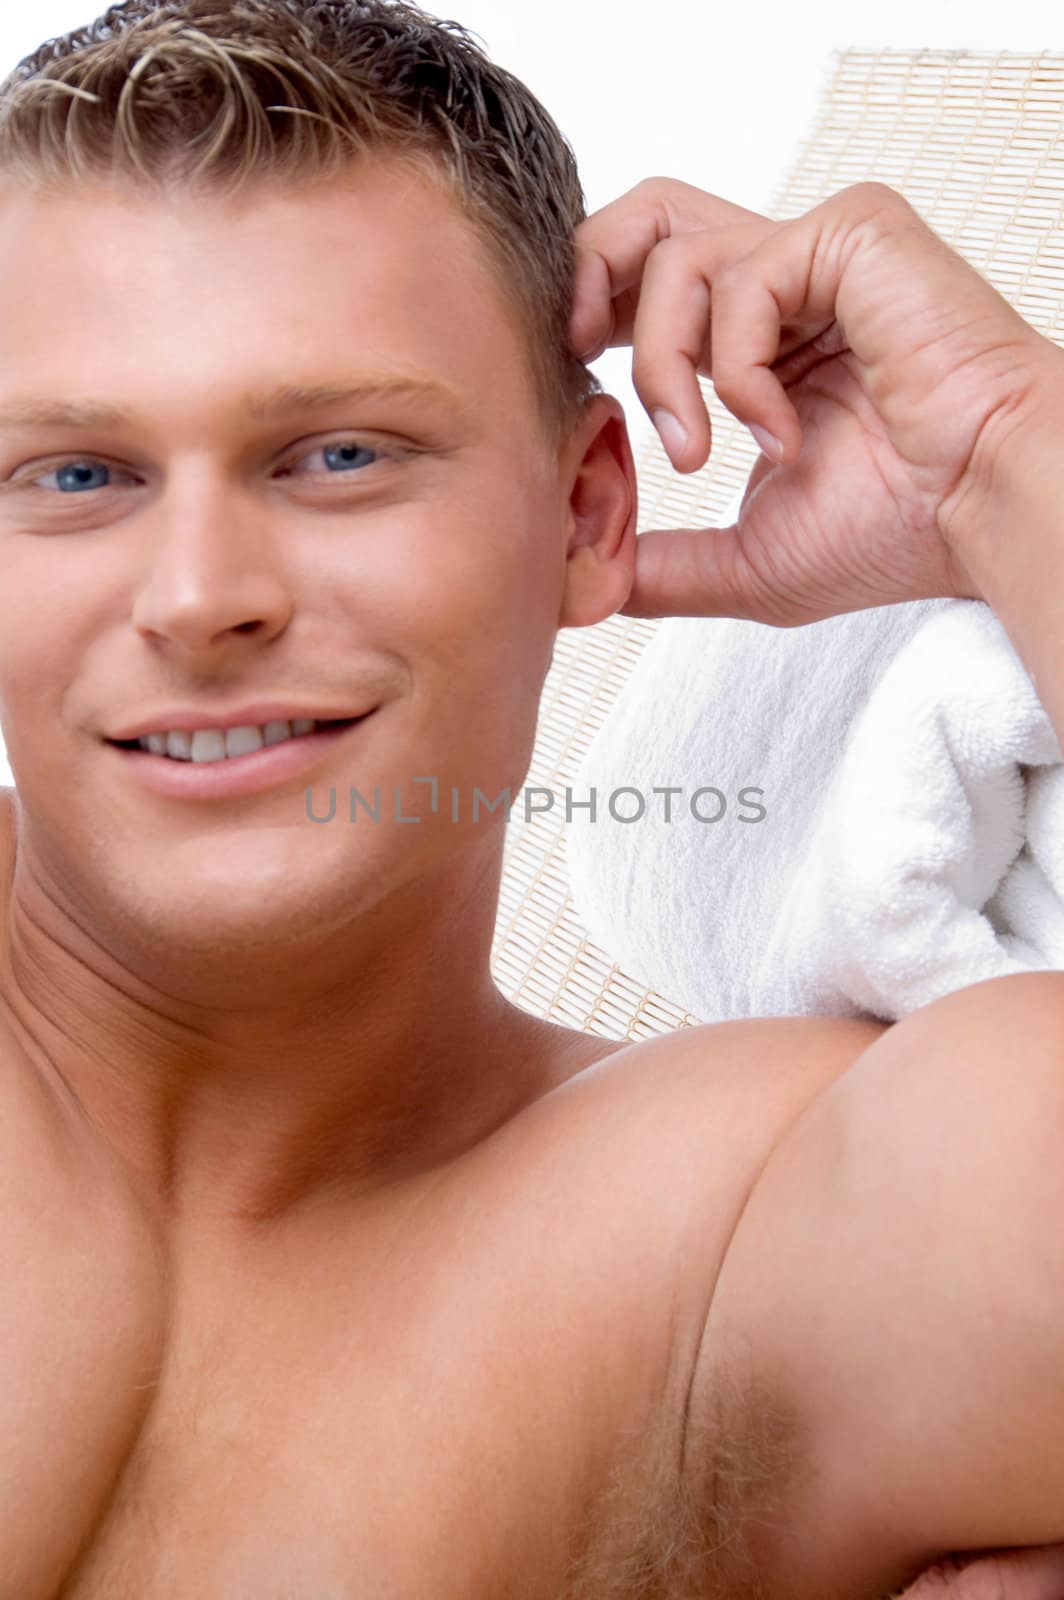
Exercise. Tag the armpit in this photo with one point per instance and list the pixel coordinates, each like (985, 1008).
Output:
(743, 1452)
(671, 1523)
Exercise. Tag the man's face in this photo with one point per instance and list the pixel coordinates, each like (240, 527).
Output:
(378, 551)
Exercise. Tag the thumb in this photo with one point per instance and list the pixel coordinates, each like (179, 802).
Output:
(691, 572)
(697, 572)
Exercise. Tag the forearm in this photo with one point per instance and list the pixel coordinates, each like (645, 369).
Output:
(1006, 528)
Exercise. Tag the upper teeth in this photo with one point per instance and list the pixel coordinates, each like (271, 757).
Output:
(217, 744)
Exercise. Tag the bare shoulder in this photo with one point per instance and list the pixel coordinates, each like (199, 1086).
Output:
(819, 1046)
(677, 1128)
(694, 1115)
(771, 1066)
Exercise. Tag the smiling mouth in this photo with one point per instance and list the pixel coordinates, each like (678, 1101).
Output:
(140, 746)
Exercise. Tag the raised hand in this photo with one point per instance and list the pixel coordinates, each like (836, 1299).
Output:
(891, 371)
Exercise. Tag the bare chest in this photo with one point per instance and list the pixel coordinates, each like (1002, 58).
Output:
(481, 1395)
(345, 1473)
(458, 1423)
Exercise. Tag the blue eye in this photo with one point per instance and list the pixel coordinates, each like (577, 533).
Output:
(345, 453)
(73, 476)
(341, 455)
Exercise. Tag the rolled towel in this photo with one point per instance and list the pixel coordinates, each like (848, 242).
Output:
(1031, 898)
(894, 748)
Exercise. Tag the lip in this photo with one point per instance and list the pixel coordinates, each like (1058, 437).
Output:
(236, 775)
(185, 719)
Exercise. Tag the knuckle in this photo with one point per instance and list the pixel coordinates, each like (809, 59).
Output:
(674, 251)
(653, 186)
(730, 276)
(878, 194)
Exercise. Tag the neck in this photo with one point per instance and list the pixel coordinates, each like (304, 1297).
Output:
(379, 1053)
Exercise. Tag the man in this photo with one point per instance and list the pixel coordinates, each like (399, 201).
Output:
(330, 1272)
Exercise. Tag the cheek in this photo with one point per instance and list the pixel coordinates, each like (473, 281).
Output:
(28, 655)
(58, 593)
(479, 625)
(465, 582)
(490, 630)
(55, 625)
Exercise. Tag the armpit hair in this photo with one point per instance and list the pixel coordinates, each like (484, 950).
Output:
(680, 1523)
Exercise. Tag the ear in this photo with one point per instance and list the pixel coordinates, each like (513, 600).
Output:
(602, 512)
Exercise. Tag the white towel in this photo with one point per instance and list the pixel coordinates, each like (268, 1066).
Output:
(913, 832)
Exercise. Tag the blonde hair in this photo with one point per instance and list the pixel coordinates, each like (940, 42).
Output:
(211, 95)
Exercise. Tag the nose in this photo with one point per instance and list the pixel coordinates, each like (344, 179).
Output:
(213, 573)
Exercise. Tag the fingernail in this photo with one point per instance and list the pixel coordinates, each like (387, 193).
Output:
(768, 442)
(673, 433)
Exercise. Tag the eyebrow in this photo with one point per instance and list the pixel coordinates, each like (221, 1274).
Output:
(264, 405)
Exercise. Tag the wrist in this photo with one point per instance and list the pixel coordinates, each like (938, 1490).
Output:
(1005, 530)
(1010, 502)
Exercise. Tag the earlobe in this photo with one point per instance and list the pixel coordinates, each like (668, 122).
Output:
(594, 589)
(603, 509)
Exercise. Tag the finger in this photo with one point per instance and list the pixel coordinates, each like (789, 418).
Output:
(591, 322)
(625, 230)
(792, 277)
(668, 340)
(752, 299)
(615, 241)
(673, 330)
(611, 323)
(611, 247)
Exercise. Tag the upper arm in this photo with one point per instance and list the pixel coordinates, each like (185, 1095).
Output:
(881, 1376)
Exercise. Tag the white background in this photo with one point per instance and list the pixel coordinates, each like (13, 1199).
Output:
(717, 92)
